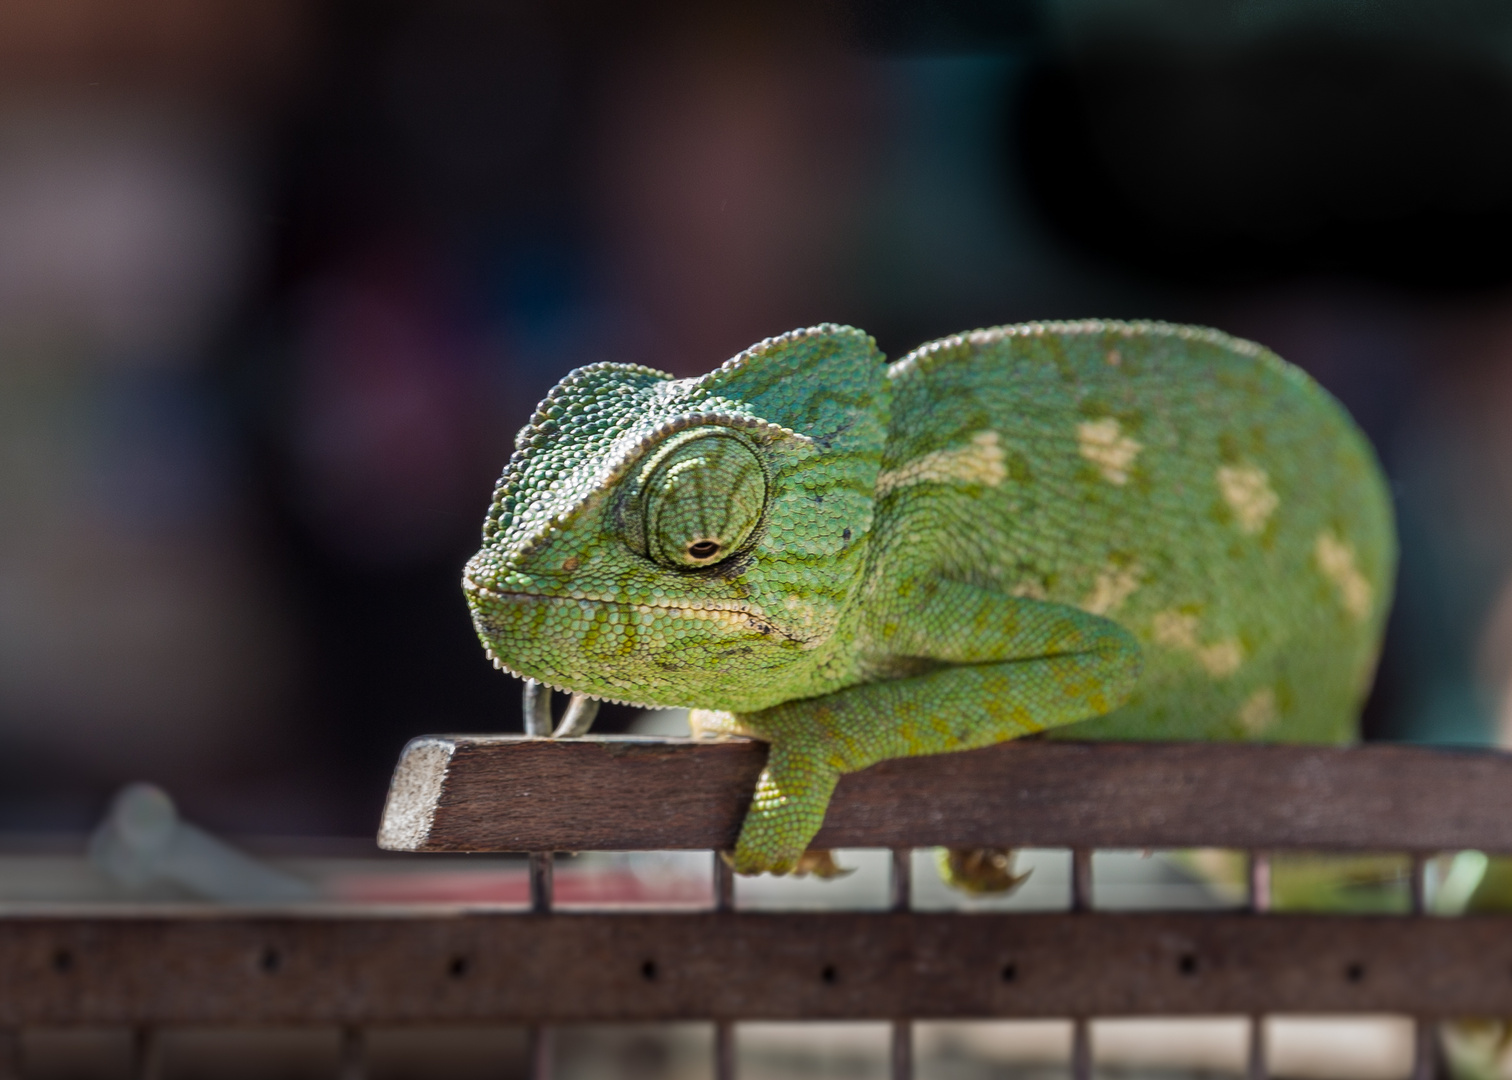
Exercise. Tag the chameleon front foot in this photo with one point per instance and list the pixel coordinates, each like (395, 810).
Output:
(819, 864)
(983, 871)
(791, 797)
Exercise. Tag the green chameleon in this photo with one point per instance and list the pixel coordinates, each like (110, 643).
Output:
(1144, 530)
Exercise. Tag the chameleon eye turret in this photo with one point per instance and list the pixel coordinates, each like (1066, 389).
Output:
(701, 497)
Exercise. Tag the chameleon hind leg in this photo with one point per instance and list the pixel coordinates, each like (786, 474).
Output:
(1012, 667)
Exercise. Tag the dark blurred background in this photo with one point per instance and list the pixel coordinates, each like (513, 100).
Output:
(279, 280)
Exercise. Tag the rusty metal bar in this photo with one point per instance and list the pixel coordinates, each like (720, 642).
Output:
(505, 793)
(206, 970)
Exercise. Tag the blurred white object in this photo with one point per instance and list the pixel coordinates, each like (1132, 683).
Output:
(662, 722)
(142, 843)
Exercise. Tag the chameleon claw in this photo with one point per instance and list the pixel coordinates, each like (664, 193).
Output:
(822, 865)
(578, 718)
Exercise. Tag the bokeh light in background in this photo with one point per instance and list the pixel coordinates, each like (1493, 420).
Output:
(280, 279)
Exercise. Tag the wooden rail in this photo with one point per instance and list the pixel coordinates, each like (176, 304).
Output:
(152, 968)
(352, 969)
(512, 793)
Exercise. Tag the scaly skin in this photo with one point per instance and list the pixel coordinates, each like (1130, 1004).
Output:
(1142, 530)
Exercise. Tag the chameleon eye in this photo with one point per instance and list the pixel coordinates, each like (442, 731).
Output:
(702, 499)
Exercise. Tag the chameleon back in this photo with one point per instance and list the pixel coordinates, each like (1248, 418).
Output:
(1192, 487)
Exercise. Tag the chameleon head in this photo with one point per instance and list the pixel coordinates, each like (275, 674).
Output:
(686, 541)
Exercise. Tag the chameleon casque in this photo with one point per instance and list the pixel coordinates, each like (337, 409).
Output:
(1140, 530)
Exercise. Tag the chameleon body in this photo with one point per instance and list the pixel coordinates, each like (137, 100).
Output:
(1141, 530)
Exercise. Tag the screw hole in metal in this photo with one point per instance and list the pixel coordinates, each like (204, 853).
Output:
(1355, 972)
(648, 971)
(270, 960)
(63, 961)
(458, 967)
(1187, 965)
(1010, 972)
(829, 975)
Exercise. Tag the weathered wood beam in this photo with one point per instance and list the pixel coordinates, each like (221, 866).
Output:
(508, 793)
(564, 968)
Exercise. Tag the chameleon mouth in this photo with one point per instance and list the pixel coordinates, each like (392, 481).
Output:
(733, 615)
(732, 607)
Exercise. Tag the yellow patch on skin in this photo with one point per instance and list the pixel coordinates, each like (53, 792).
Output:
(1259, 714)
(1114, 585)
(1178, 630)
(1222, 658)
(1175, 628)
(980, 462)
(1103, 443)
(1336, 559)
(1248, 493)
(1029, 589)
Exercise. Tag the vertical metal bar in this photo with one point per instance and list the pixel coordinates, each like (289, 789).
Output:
(541, 885)
(724, 1030)
(724, 884)
(900, 893)
(353, 1054)
(146, 1054)
(1081, 901)
(1258, 1067)
(1259, 902)
(900, 898)
(902, 1050)
(542, 1052)
(1081, 1049)
(1259, 882)
(542, 890)
(10, 1054)
(1424, 1049)
(724, 1050)
(1424, 1031)
(1417, 883)
(1081, 879)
